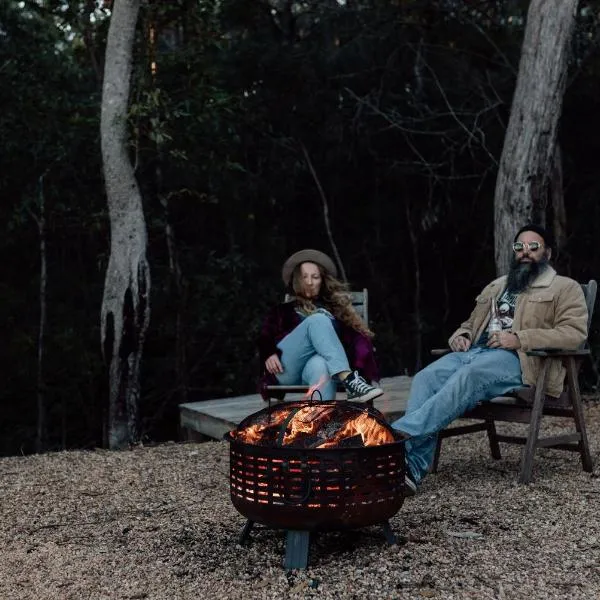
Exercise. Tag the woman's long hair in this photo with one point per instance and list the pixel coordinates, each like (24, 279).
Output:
(335, 297)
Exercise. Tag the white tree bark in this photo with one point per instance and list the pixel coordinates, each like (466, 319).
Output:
(527, 157)
(125, 310)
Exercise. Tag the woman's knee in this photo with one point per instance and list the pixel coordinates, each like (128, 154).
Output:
(318, 320)
(315, 369)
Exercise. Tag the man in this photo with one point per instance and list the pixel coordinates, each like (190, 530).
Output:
(537, 309)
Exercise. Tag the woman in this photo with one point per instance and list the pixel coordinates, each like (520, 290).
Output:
(317, 338)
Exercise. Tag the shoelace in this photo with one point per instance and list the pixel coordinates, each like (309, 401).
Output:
(361, 386)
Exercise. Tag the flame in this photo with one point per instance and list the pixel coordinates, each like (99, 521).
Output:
(307, 421)
(371, 432)
(309, 425)
(255, 433)
(316, 386)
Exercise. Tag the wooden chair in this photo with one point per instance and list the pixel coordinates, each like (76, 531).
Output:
(529, 404)
(360, 302)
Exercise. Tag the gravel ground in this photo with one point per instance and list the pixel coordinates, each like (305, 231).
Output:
(157, 522)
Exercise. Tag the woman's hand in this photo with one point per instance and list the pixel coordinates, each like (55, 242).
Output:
(273, 364)
(460, 343)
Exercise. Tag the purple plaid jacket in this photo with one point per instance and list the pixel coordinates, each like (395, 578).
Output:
(282, 319)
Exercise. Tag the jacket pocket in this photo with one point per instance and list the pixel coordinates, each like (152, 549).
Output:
(541, 297)
(539, 312)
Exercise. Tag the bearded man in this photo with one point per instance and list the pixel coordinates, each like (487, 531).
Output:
(537, 309)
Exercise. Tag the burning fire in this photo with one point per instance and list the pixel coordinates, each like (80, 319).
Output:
(371, 432)
(256, 433)
(321, 425)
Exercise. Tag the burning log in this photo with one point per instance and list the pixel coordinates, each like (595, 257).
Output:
(317, 426)
(355, 441)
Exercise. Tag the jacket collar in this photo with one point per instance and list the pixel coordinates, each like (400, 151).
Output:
(545, 278)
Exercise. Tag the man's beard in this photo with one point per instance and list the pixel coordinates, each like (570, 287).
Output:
(521, 274)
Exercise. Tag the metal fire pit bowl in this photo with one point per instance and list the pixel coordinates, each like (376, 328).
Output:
(309, 489)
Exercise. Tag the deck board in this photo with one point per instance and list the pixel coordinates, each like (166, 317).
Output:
(214, 418)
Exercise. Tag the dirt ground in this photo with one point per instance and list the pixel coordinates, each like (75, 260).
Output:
(157, 523)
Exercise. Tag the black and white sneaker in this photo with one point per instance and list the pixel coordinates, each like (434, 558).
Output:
(410, 487)
(358, 390)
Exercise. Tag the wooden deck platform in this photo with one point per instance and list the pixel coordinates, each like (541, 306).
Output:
(214, 418)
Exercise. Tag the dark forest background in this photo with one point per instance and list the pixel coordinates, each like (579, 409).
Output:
(248, 119)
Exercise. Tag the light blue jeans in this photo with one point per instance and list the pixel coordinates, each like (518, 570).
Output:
(445, 389)
(312, 352)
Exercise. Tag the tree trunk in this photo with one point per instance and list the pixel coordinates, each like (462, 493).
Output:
(526, 163)
(559, 213)
(125, 306)
(40, 438)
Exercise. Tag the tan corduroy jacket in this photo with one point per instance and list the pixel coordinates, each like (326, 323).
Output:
(550, 313)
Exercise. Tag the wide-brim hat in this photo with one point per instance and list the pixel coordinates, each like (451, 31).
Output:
(307, 255)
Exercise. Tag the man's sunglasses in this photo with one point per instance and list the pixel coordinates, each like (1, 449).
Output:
(531, 246)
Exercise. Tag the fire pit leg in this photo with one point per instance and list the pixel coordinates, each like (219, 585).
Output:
(246, 532)
(296, 550)
(390, 537)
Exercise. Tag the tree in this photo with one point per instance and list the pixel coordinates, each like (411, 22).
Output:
(526, 165)
(125, 305)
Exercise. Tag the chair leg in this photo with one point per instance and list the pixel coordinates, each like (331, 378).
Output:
(575, 396)
(493, 440)
(534, 426)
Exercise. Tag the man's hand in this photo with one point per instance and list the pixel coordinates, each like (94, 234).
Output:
(460, 343)
(273, 364)
(504, 339)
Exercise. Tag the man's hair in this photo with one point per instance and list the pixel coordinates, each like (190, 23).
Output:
(543, 233)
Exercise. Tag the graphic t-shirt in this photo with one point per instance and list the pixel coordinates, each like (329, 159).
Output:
(506, 308)
(506, 313)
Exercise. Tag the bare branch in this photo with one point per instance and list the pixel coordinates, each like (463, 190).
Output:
(325, 211)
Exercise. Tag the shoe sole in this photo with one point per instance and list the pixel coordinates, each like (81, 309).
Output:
(410, 489)
(375, 393)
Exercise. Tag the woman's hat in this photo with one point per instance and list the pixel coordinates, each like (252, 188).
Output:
(302, 256)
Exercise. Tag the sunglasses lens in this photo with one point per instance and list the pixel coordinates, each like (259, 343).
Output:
(531, 246)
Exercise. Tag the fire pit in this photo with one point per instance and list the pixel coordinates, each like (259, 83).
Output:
(305, 467)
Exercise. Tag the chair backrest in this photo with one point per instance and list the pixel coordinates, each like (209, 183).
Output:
(360, 302)
(589, 291)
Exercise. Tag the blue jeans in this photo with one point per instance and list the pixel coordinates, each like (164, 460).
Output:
(312, 352)
(445, 389)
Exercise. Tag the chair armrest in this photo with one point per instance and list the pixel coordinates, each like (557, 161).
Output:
(556, 352)
(440, 351)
